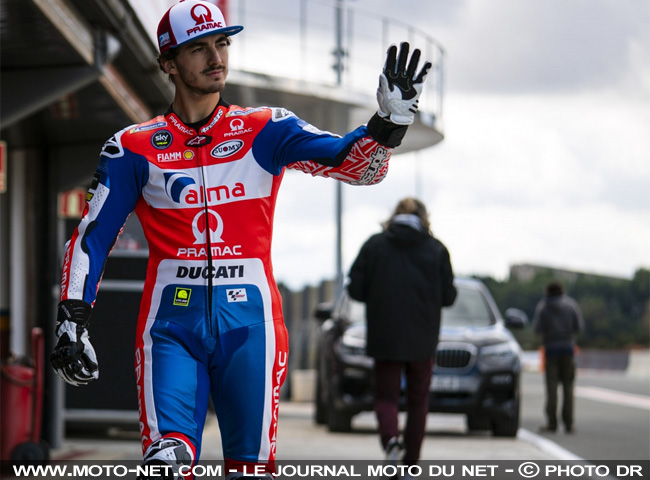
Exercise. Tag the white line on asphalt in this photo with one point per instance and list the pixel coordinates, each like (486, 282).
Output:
(547, 446)
(612, 396)
(552, 448)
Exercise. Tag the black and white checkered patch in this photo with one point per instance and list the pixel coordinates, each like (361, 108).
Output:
(236, 295)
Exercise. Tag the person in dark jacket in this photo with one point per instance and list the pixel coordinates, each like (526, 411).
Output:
(404, 276)
(558, 319)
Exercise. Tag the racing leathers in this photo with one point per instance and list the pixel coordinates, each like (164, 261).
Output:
(210, 319)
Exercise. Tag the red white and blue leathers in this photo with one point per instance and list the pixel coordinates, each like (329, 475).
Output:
(210, 320)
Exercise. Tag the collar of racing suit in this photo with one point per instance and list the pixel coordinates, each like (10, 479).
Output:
(200, 123)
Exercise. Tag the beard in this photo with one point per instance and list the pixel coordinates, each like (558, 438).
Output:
(193, 84)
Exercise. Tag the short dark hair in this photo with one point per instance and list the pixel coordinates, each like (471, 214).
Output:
(167, 55)
(172, 53)
(554, 289)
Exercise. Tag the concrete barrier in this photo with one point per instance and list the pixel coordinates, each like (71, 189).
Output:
(635, 363)
(639, 364)
(303, 385)
(617, 360)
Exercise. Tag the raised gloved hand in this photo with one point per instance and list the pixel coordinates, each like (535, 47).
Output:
(399, 87)
(74, 358)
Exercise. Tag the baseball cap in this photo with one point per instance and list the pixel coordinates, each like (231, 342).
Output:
(189, 20)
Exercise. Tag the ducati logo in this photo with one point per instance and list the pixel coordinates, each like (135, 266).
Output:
(207, 221)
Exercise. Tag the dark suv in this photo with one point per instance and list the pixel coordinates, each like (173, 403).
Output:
(476, 370)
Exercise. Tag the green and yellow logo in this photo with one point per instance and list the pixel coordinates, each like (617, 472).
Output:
(182, 296)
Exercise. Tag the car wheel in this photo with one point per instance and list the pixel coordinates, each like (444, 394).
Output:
(38, 453)
(508, 426)
(338, 421)
(478, 422)
(320, 409)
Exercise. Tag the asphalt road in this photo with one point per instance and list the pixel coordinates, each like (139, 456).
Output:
(612, 420)
(612, 415)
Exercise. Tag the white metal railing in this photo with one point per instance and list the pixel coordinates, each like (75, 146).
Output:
(298, 39)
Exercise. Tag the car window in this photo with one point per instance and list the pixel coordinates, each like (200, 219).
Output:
(469, 310)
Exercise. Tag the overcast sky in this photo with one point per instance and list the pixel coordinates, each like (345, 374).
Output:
(546, 156)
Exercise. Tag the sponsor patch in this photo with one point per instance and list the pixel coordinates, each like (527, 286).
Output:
(182, 296)
(281, 114)
(164, 39)
(377, 159)
(223, 271)
(161, 139)
(213, 122)
(153, 126)
(227, 148)
(175, 156)
(169, 157)
(181, 127)
(236, 113)
(198, 141)
(237, 128)
(93, 186)
(236, 295)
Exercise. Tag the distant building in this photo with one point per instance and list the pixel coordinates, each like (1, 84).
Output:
(525, 272)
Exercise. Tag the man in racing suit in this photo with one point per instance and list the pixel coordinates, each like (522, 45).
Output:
(203, 180)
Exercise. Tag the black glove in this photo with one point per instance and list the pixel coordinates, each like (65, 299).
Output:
(399, 87)
(74, 358)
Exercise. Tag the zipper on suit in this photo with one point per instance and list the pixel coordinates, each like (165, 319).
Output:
(210, 267)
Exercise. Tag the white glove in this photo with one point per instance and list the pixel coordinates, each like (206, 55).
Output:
(399, 105)
(73, 357)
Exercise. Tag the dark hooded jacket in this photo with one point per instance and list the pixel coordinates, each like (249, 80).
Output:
(404, 276)
(558, 319)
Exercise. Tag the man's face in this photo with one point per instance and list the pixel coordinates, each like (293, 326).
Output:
(202, 66)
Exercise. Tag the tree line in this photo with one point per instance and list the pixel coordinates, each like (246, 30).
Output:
(616, 311)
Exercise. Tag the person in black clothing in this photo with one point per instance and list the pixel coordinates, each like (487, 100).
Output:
(558, 319)
(404, 276)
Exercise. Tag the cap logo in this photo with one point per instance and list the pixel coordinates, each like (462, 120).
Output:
(164, 39)
(203, 18)
(205, 15)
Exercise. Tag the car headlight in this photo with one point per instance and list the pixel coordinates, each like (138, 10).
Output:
(352, 344)
(499, 355)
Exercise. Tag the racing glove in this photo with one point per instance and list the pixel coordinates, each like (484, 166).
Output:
(74, 358)
(399, 86)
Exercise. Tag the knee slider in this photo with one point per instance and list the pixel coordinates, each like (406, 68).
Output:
(170, 454)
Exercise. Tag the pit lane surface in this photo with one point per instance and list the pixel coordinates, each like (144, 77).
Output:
(612, 415)
(612, 422)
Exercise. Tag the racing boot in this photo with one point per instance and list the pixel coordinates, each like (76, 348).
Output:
(165, 458)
